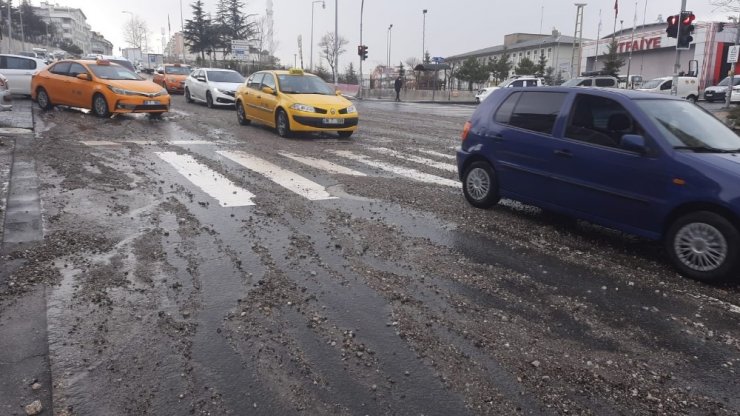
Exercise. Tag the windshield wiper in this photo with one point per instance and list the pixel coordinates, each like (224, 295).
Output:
(706, 149)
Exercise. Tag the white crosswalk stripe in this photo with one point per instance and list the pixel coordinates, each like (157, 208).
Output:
(438, 154)
(208, 180)
(283, 177)
(398, 170)
(416, 159)
(324, 165)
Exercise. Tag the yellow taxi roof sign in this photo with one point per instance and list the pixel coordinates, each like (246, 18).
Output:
(295, 71)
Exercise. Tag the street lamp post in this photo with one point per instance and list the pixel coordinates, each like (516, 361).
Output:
(388, 44)
(362, 9)
(323, 6)
(336, 43)
(423, 36)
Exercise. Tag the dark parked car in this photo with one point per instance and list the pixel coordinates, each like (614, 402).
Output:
(650, 165)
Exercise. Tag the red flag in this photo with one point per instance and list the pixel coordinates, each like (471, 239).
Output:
(616, 7)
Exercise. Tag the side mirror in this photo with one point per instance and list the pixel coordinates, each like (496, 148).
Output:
(160, 71)
(338, 92)
(84, 77)
(634, 143)
(268, 90)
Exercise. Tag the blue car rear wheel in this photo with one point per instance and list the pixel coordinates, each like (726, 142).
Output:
(480, 185)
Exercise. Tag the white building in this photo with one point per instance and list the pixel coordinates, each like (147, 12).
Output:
(651, 53)
(556, 47)
(70, 24)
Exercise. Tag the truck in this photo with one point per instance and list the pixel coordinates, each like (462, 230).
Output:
(134, 55)
(151, 62)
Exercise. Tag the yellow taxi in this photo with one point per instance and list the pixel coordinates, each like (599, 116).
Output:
(172, 77)
(294, 101)
(101, 86)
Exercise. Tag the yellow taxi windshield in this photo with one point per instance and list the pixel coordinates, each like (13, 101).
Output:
(113, 71)
(303, 84)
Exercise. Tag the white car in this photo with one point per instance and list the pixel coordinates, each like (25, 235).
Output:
(688, 87)
(19, 70)
(520, 81)
(212, 86)
(719, 91)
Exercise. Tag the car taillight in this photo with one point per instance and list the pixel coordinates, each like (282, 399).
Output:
(466, 130)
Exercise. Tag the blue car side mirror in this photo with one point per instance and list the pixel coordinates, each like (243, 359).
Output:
(634, 143)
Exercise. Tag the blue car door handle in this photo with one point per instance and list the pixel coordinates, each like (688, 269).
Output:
(563, 153)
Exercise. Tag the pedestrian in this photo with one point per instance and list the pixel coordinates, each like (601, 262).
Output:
(397, 86)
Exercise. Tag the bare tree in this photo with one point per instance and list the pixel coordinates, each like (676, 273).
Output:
(135, 31)
(331, 50)
(728, 5)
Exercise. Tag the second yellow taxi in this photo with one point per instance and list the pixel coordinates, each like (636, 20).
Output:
(294, 101)
(101, 86)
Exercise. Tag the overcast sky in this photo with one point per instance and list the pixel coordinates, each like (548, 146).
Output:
(452, 27)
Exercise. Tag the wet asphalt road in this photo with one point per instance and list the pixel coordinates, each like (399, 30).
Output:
(195, 266)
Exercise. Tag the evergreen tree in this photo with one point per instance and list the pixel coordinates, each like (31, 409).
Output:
(539, 69)
(525, 67)
(233, 23)
(612, 61)
(198, 31)
(473, 72)
(549, 80)
(350, 76)
(503, 66)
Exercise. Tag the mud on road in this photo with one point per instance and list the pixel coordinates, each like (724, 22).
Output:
(387, 295)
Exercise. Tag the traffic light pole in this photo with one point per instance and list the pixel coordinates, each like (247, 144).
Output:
(728, 94)
(677, 65)
(362, 8)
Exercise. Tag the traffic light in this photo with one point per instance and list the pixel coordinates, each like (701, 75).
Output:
(685, 30)
(359, 50)
(672, 29)
(362, 51)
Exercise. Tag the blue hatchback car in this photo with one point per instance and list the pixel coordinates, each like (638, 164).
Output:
(646, 164)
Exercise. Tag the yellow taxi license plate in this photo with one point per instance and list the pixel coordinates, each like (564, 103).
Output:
(333, 121)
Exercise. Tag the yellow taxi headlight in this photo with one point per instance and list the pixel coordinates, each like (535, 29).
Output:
(351, 109)
(121, 91)
(303, 107)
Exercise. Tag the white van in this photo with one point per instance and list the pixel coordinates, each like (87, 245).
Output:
(688, 87)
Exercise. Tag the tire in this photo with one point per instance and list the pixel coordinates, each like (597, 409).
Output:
(477, 100)
(100, 106)
(691, 98)
(345, 134)
(282, 124)
(241, 114)
(480, 185)
(188, 98)
(42, 98)
(209, 100)
(155, 116)
(703, 246)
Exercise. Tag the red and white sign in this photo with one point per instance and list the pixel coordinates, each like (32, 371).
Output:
(641, 44)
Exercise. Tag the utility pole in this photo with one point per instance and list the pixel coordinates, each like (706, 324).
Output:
(632, 39)
(23, 35)
(362, 9)
(677, 65)
(728, 94)
(598, 37)
(182, 33)
(336, 43)
(578, 34)
(10, 34)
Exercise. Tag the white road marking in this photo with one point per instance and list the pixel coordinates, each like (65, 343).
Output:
(99, 143)
(437, 154)
(181, 142)
(401, 171)
(323, 165)
(283, 177)
(209, 181)
(416, 159)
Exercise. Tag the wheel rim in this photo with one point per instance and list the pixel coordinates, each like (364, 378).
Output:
(42, 98)
(478, 184)
(700, 247)
(100, 105)
(240, 112)
(282, 123)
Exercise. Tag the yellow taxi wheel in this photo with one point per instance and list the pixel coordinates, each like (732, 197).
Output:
(345, 134)
(100, 106)
(155, 116)
(282, 124)
(42, 97)
(241, 114)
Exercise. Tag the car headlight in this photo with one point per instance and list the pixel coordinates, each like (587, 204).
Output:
(225, 92)
(351, 109)
(162, 92)
(303, 107)
(121, 91)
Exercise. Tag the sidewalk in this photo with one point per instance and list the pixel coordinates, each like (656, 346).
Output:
(21, 117)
